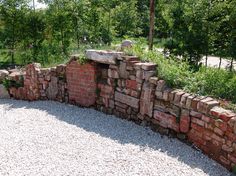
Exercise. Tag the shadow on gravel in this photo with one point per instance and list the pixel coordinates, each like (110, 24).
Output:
(121, 131)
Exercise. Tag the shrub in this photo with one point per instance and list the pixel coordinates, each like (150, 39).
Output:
(7, 83)
(218, 83)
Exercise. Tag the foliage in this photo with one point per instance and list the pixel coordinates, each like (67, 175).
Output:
(213, 82)
(8, 83)
(186, 28)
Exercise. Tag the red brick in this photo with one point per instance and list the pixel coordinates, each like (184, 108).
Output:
(206, 119)
(218, 131)
(131, 84)
(227, 148)
(198, 121)
(81, 81)
(166, 120)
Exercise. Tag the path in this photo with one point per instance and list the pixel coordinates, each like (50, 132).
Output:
(49, 138)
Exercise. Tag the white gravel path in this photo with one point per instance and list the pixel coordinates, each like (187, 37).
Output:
(49, 138)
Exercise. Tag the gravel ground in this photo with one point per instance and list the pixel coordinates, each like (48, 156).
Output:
(49, 138)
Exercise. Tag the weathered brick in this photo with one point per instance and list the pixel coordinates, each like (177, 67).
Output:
(198, 121)
(161, 105)
(147, 99)
(189, 101)
(218, 131)
(112, 73)
(184, 99)
(148, 74)
(166, 120)
(131, 101)
(210, 105)
(184, 121)
(195, 102)
(148, 66)
(174, 110)
(81, 83)
(159, 95)
(111, 104)
(227, 148)
(172, 94)
(196, 114)
(221, 113)
(202, 104)
(177, 97)
(232, 158)
(122, 70)
(131, 84)
(124, 106)
(206, 118)
(120, 109)
(153, 80)
(166, 93)
(161, 85)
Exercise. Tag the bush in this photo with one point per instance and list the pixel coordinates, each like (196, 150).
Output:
(217, 83)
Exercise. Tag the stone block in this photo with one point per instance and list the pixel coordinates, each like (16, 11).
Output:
(112, 73)
(161, 85)
(148, 66)
(3, 92)
(126, 99)
(153, 80)
(3, 75)
(147, 99)
(122, 70)
(148, 74)
(52, 89)
(105, 57)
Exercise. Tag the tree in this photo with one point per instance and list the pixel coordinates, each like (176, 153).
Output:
(12, 12)
(126, 19)
(152, 20)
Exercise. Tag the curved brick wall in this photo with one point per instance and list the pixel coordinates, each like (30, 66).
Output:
(124, 86)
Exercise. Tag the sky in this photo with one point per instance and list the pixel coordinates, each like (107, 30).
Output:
(38, 5)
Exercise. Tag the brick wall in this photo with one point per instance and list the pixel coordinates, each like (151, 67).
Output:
(40, 83)
(129, 89)
(81, 83)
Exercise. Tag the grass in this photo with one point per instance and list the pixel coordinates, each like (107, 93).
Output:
(206, 81)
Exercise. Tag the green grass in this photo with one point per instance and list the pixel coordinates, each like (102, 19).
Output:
(214, 82)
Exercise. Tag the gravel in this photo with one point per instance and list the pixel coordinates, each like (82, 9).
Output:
(50, 138)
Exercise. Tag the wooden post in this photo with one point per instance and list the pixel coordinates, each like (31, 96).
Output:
(152, 22)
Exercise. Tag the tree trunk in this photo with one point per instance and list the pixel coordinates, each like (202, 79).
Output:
(109, 26)
(231, 64)
(220, 62)
(13, 43)
(35, 40)
(77, 33)
(152, 23)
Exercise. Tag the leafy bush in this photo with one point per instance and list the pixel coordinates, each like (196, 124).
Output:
(218, 83)
(7, 83)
